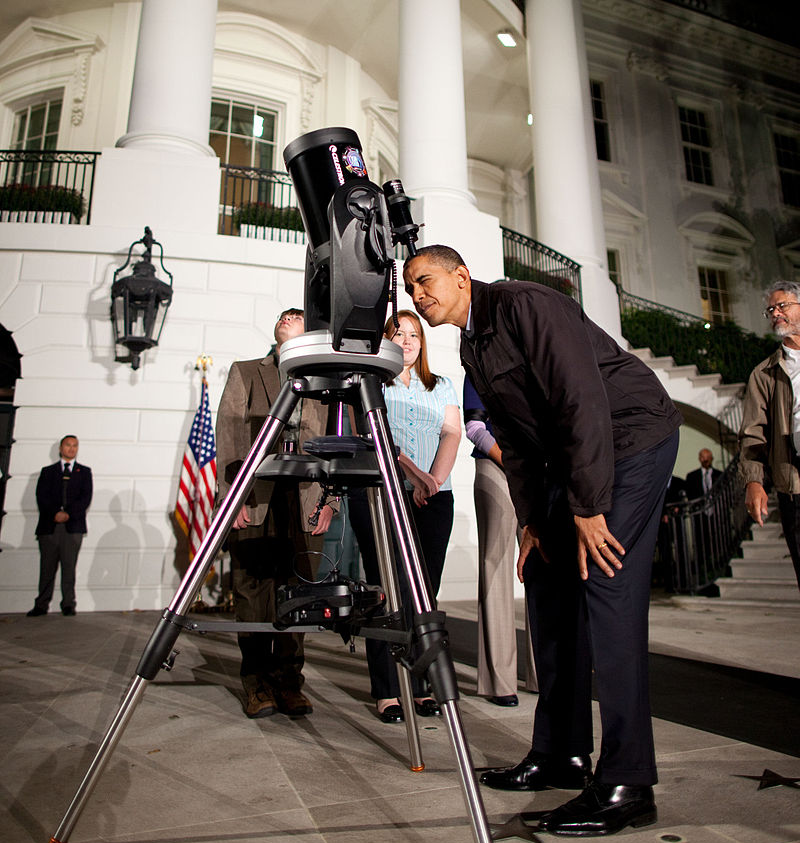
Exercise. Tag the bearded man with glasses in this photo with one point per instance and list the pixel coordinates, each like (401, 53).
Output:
(769, 437)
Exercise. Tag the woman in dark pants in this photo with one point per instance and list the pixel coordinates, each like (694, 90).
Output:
(423, 414)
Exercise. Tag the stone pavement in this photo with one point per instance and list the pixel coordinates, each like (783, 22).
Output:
(190, 768)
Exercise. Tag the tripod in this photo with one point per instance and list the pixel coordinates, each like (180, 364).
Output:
(318, 372)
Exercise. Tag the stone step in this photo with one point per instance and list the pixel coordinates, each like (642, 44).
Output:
(779, 591)
(762, 569)
(765, 550)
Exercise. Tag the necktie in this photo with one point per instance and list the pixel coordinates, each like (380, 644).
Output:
(64, 481)
(706, 480)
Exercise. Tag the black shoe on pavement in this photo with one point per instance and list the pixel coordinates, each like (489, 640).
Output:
(602, 809)
(538, 771)
(392, 714)
(505, 700)
(36, 612)
(427, 708)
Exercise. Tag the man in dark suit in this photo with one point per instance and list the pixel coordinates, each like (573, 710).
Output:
(272, 539)
(63, 494)
(700, 481)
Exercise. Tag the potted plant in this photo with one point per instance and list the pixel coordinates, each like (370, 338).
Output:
(43, 203)
(254, 215)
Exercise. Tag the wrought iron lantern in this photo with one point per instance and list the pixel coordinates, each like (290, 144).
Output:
(139, 302)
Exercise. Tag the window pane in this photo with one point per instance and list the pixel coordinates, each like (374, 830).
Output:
(696, 145)
(787, 154)
(241, 120)
(714, 294)
(601, 130)
(36, 126)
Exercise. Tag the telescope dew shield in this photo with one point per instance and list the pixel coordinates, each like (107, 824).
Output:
(319, 162)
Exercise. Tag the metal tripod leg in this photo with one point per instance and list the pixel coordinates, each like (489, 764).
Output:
(441, 672)
(158, 649)
(391, 586)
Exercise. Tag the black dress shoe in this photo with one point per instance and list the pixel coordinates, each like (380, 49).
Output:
(538, 771)
(602, 809)
(505, 700)
(427, 708)
(68, 612)
(392, 714)
(35, 612)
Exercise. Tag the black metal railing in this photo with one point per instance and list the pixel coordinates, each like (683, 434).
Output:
(725, 348)
(698, 538)
(259, 203)
(46, 185)
(526, 259)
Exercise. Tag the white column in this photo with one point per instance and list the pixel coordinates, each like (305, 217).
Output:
(569, 211)
(433, 133)
(171, 96)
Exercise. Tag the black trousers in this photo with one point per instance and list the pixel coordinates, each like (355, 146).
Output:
(433, 523)
(789, 506)
(58, 548)
(601, 623)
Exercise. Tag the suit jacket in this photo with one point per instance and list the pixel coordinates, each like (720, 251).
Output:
(251, 388)
(49, 491)
(694, 482)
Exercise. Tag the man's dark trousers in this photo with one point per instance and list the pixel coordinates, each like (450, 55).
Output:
(58, 547)
(565, 610)
(789, 506)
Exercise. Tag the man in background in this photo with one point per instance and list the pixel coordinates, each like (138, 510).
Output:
(63, 494)
(770, 433)
(272, 540)
(700, 481)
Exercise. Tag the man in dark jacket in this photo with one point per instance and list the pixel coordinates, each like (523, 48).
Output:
(589, 439)
(63, 494)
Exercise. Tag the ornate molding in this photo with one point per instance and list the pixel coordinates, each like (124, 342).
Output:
(647, 65)
(80, 82)
(683, 26)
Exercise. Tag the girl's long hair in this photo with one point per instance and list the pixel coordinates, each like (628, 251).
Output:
(421, 367)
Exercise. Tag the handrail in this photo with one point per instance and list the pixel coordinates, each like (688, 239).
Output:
(698, 537)
(526, 259)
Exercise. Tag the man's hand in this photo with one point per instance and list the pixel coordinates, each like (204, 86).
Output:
(595, 540)
(323, 521)
(528, 542)
(755, 500)
(242, 519)
(61, 517)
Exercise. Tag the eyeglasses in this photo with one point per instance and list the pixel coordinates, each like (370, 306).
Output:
(781, 305)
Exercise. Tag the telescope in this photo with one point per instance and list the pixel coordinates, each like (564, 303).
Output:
(352, 228)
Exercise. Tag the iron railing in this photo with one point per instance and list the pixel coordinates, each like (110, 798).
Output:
(699, 537)
(259, 203)
(46, 185)
(725, 349)
(526, 259)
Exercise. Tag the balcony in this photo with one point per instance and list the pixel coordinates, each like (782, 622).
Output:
(46, 186)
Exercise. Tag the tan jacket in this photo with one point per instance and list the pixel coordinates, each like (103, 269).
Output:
(251, 388)
(765, 437)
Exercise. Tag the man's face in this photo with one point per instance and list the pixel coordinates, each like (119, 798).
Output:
(69, 449)
(786, 321)
(440, 296)
(706, 458)
(289, 326)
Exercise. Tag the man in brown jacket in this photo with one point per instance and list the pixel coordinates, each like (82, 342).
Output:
(770, 431)
(272, 539)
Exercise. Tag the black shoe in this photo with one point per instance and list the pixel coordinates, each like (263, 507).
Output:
(602, 809)
(506, 700)
(427, 708)
(35, 612)
(538, 771)
(68, 612)
(392, 714)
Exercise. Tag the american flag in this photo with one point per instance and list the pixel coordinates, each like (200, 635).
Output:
(198, 483)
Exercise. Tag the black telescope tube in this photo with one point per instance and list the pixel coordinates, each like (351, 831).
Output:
(318, 163)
